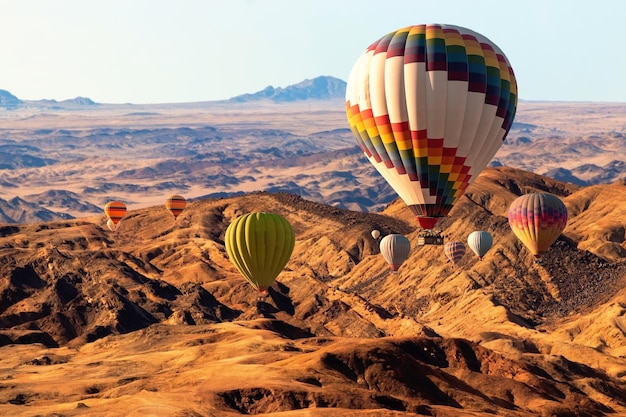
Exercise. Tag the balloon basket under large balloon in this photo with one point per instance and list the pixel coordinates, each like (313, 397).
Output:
(428, 237)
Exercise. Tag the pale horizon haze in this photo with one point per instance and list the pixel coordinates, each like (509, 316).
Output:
(156, 51)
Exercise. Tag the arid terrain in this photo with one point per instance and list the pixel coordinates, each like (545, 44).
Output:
(154, 320)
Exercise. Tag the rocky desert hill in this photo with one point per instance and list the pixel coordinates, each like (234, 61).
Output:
(153, 320)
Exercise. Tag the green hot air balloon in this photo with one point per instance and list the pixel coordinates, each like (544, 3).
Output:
(260, 245)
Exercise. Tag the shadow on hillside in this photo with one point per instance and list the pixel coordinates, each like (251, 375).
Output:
(280, 302)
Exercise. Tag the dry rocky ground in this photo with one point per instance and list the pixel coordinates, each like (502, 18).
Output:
(153, 320)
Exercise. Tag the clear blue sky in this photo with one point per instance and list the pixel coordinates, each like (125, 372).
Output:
(166, 51)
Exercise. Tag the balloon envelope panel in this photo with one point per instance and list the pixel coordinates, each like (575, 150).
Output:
(429, 106)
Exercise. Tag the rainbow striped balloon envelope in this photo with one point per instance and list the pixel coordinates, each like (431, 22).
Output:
(430, 105)
(537, 219)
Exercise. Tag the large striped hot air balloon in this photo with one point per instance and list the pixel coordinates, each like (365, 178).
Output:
(259, 245)
(395, 248)
(115, 211)
(454, 251)
(430, 105)
(175, 204)
(537, 219)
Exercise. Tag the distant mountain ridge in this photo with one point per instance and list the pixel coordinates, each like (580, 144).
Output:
(8, 100)
(319, 88)
(11, 102)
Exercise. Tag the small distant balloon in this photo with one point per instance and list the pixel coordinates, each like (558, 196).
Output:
(454, 251)
(537, 219)
(395, 248)
(175, 204)
(375, 234)
(115, 211)
(480, 242)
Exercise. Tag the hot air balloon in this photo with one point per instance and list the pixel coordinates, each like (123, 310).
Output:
(175, 204)
(115, 211)
(480, 242)
(454, 251)
(259, 245)
(395, 248)
(537, 219)
(430, 105)
(375, 234)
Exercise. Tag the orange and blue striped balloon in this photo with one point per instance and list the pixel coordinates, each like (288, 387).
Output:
(175, 204)
(115, 211)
